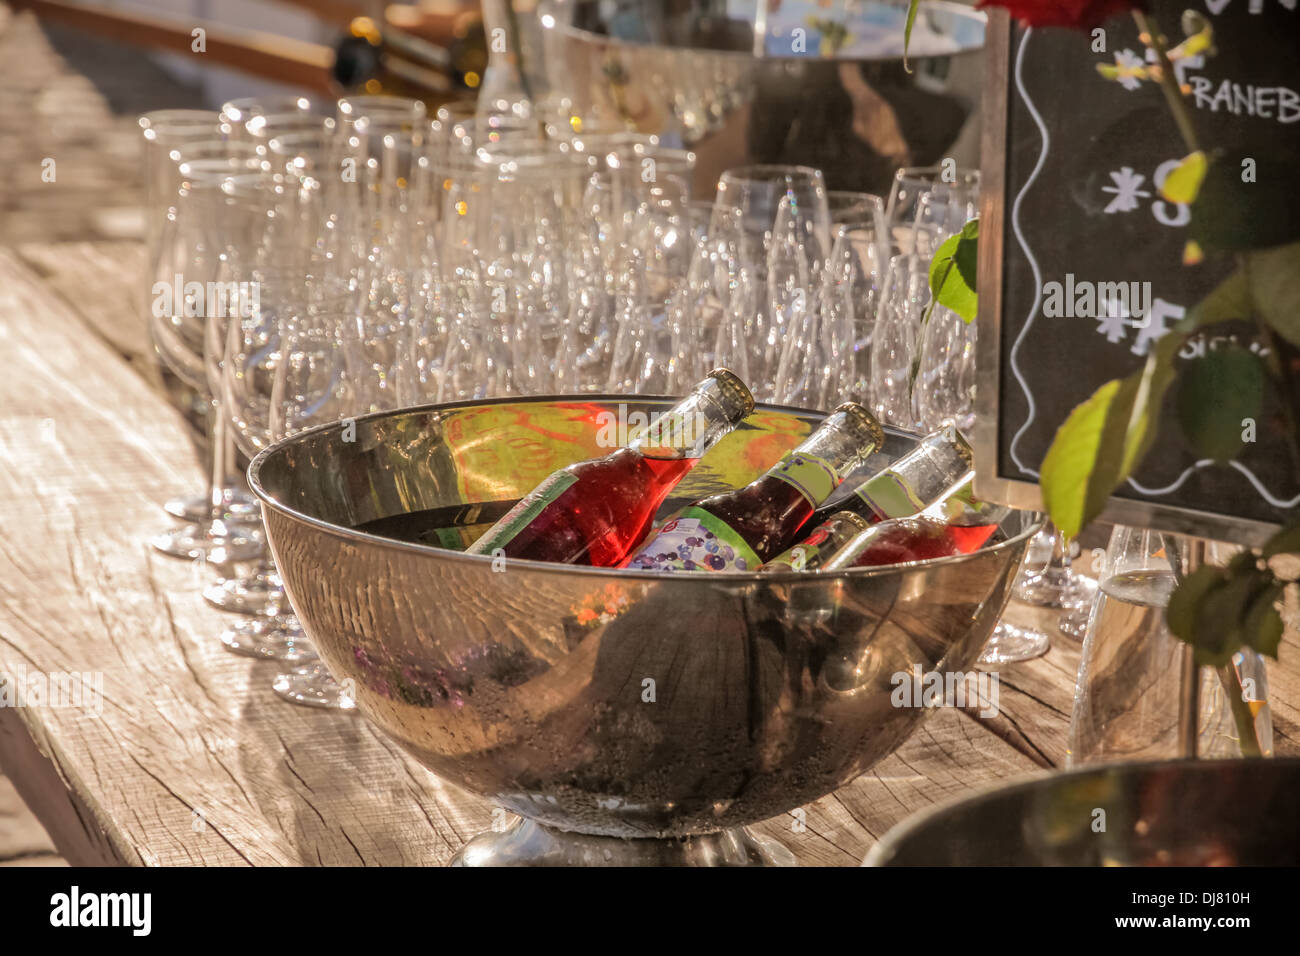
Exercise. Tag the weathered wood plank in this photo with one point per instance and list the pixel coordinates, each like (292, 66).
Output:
(192, 758)
(23, 841)
(103, 283)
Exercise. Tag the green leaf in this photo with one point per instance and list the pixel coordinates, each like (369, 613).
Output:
(1275, 288)
(1217, 630)
(1286, 541)
(1236, 211)
(1184, 182)
(1230, 300)
(1262, 628)
(907, 30)
(953, 272)
(967, 257)
(1105, 439)
(1216, 392)
(1080, 468)
(1185, 602)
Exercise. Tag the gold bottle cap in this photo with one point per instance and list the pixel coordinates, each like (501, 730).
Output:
(734, 394)
(848, 517)
(959, 442)
(862, 422)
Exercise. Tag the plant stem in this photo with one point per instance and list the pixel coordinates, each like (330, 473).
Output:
(1279, 369)
(1169, 80)
(1241, 714)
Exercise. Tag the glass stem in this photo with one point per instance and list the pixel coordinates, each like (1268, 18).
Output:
(1185, 555)
(222, 453)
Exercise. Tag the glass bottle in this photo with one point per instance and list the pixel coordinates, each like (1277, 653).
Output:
(850, 541)
(827, 539)
(594, 512)
(935, 469)
(739, 530)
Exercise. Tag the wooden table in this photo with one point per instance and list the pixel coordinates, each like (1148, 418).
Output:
(192, 759)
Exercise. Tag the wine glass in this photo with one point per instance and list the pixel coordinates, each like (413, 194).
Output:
(757, 191)
(292, 260)
(1056, 584)
(828, 360)
(311, 386)
(205, 246)
(944, 389)
(925, 202)
(250, 364)
(164, 133)
(894, 339)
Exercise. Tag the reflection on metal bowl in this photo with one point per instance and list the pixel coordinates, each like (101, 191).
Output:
(1172, 813)
(792, 82)
(595, 701)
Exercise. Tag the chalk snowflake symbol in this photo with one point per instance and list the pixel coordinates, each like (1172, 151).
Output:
(1127, 190)
(1255, 6)
(1113, 321)
(1127, 60)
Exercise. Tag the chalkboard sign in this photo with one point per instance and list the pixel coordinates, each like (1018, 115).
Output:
(1081, 260)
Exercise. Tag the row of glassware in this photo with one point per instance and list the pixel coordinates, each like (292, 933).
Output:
(310, 263)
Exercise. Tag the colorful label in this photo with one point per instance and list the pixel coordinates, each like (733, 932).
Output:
(696, 541)
(825, 541)
(523, 513)
(888, 495)
(956, 503)
(455, 538)
(814, 478)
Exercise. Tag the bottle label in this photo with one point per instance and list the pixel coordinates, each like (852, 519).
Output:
(888, 495)
(696, 541)
(523, 513)
(953, 505)
(814, 478)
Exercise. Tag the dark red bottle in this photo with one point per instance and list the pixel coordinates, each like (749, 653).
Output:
(594, 512)
(739, 530)
(897, 541)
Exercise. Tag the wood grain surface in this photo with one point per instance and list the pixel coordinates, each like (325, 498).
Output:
(190, 758)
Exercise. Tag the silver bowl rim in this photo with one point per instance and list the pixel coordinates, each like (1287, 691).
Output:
(886, 846)
(552, 567)
(956, 9)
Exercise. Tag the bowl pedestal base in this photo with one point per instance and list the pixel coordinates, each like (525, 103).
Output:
(529, 843)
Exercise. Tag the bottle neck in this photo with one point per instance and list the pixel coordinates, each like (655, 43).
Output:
(819, 463)
(696, 423)
(926, 474)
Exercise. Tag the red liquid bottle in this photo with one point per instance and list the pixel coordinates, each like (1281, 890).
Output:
(847, 540)
(739, 530)
(594, 512)
(971, 522)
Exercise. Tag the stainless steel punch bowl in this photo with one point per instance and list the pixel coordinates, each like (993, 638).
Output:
(594, 701)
